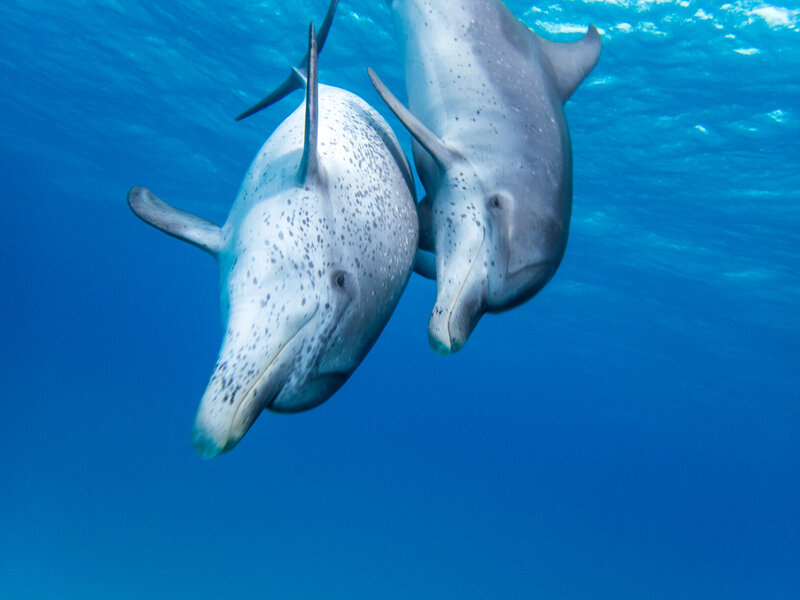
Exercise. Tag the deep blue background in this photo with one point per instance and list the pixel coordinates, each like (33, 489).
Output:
(632, 432)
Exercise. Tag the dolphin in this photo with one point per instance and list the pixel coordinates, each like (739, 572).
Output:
(492, 149)
(313, 258)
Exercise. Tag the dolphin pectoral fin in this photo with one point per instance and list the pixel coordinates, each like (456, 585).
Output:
(434, 145)
(425, 264)
(572, 61)
(291, 83)
(172, 221)
(425, 216)
(309, 165)
(298, 74)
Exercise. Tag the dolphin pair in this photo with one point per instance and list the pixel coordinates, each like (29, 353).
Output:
(313, 257)
(492, 149)
(321, 239)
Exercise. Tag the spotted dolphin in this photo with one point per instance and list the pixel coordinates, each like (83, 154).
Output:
(313, 258)
(492, 150)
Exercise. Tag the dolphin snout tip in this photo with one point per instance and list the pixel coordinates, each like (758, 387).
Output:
(441, 347)
(452, 323)
(442, 342)
(438, 333)
(205, 445)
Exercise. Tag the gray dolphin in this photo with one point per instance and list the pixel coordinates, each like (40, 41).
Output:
(492, 149)
(313, 257)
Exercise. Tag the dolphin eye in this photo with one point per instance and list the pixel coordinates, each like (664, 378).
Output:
(345, 286)
(339, 279)
(495, 201)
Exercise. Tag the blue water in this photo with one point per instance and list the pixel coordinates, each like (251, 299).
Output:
(632, 432)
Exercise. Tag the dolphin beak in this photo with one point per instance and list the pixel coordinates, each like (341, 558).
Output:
(450, 326)
(460, 301)
(225, 416)
(218, 431)
(239, 390)
(461, 281)
(204, 445)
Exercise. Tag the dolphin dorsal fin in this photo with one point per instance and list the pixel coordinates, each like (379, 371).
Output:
(433, 144)
(177, 223)
(572, 61)
(298, 74)
(309, 166)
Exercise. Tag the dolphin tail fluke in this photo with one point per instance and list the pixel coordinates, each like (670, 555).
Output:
(172, 221)
(434, 145)
(572, 61)
(299, 74)
(309, 166)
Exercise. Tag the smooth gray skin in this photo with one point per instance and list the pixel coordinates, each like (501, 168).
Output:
(313, 258)
(492, 150)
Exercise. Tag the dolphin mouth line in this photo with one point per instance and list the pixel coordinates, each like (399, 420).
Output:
(467, 279)
(268, 370)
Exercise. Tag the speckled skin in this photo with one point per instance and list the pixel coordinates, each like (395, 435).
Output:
(498, 212)
(309, 274)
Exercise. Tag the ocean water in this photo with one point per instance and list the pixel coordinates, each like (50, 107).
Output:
(632, 432)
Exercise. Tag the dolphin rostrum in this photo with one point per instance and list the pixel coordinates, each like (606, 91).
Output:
(492, 150)
(313, 257)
